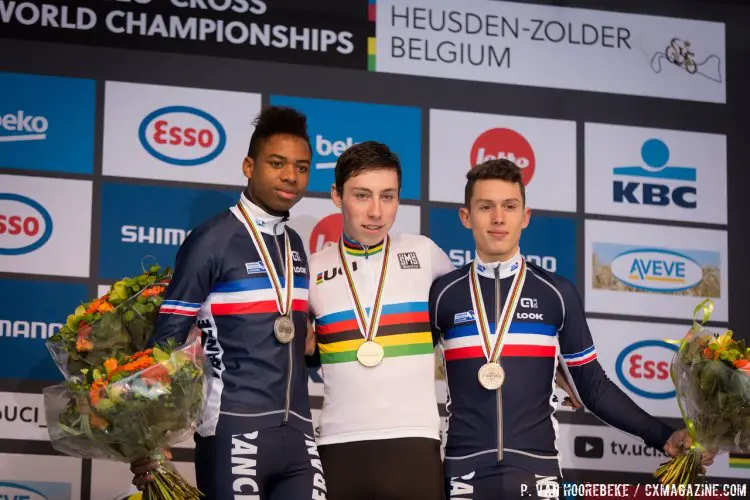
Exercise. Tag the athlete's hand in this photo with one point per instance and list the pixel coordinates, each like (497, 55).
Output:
(680, 442)
(142, 469)
(570, 400)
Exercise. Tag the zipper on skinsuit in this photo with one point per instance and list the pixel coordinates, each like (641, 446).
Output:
(290, 345)
(499, 391)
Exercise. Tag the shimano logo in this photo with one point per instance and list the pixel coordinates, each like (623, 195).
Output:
(28, 329)
(534, 316)
(18, 126)
(153, 235)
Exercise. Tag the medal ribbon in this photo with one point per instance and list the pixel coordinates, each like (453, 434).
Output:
(506, 317)
(283, 303)
(368, 328)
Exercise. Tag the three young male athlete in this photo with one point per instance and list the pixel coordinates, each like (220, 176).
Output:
(242, 278)
(500, 366)
(379, 427)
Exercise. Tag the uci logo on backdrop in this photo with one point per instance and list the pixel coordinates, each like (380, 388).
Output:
(335, 126)
(47, 123)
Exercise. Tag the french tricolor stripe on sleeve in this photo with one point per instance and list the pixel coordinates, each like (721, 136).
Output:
(180, 308)
(580, 358)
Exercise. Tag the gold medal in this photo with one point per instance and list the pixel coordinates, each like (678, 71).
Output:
(370, 353)
(283, 328)
(491, 376)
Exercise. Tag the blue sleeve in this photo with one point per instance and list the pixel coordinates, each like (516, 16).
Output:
(433, 313)
(196, 271)
(599, 394)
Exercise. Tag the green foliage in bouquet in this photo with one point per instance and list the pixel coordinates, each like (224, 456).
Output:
(130, 407)
(711, 374)
(121, 321)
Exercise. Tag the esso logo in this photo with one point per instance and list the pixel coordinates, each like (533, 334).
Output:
(643, 367)
(326, 232)
(182, 136)
(25, 225)
(498, 143)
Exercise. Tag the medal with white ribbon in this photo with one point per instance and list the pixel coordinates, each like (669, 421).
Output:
(369, 353)
(283, 327)
(491, 374)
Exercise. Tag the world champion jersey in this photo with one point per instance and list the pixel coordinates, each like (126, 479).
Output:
(221, 285)
(396, 398)
(548, 327)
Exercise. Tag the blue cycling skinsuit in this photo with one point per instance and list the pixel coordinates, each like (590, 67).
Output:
(502, 439)
(255, 438)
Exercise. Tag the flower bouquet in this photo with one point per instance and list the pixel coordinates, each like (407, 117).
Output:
(121, 321)
(132, 406)
(711, 374)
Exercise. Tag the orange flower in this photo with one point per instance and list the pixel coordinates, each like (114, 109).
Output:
(83, 344)
(110, 365)
(154, 290)
(742, 365)
(95, 392)
(708, 353)
(156, 373)
(97, 422)
(134, 366)
(105, 307)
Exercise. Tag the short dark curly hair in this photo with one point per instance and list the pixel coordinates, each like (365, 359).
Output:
(277, 120)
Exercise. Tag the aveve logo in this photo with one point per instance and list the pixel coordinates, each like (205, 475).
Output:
(326, 232)
(15, 491)
(498, 143)
(656, 270)
(25, 225)
(182, 136)
(643, 367)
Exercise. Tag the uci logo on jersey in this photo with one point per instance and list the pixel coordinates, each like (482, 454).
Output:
(332, 273)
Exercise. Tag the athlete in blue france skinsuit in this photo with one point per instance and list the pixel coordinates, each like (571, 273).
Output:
(503, 323)
(242, 278)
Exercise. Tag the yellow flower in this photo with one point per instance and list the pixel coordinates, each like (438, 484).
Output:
(722, 341)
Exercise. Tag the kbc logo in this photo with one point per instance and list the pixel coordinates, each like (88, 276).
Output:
(326, 232)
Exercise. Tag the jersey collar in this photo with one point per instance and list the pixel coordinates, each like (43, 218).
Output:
(507, 268)
(266, 222)
(356, 249)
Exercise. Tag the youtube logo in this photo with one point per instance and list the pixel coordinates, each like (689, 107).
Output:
(588, 447)
(505, 143)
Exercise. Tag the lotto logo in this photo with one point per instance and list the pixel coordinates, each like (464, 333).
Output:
(499, 143)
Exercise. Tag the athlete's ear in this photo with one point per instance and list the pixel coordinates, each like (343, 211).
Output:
(247, 167)
(526, 217)
(463, 214)
(335, 196)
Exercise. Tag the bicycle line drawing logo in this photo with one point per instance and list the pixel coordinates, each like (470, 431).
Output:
(680, 53)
